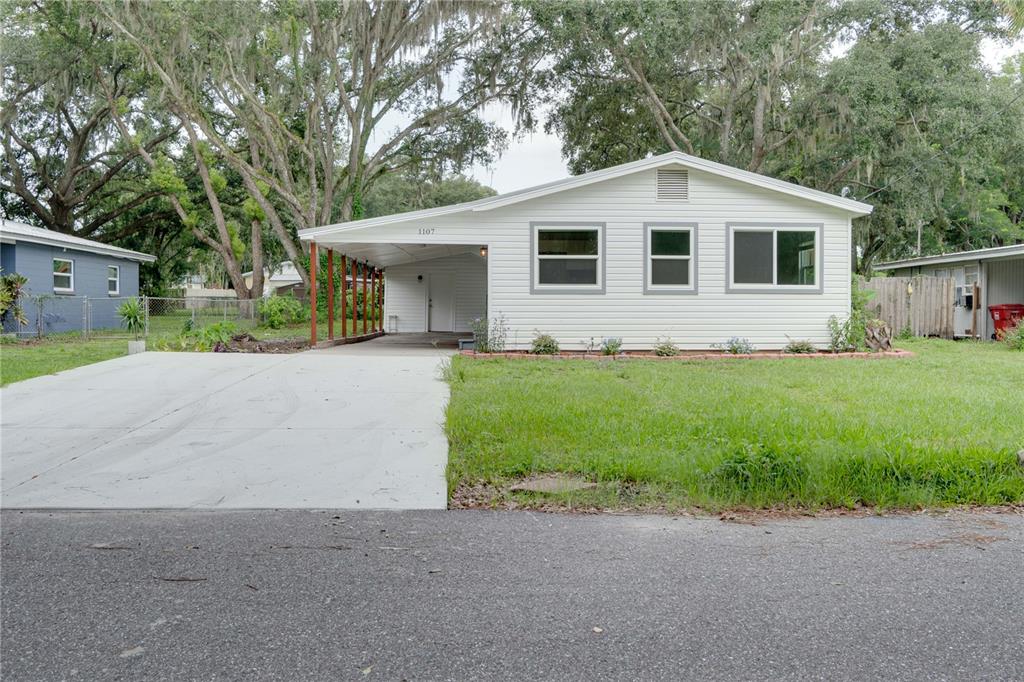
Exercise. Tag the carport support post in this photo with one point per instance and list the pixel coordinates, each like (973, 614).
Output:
(344, 295)
(373, 299)
(330, 294)
(365, 297)
(312, 293)
(380, 300)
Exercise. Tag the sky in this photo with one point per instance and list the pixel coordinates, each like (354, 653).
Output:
(537, 158)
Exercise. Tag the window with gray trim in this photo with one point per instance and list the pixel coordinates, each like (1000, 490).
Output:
(670, 254)
(568, 256)
(774, 256)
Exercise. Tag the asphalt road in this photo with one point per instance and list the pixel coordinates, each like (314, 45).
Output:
(299, 595)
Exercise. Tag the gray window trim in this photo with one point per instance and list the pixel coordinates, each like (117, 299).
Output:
(819, 271)
(602, 256)
(665, 290)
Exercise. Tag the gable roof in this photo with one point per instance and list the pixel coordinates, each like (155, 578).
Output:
(670, 159)
(13, 232)
(956, 257)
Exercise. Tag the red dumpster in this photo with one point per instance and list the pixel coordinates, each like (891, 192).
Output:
(1005, 316)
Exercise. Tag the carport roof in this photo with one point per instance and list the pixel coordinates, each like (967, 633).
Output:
(957, 257)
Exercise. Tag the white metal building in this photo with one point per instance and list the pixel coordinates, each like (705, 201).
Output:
(672, 246)
(998, 271)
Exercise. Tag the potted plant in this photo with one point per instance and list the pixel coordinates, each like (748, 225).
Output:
(133, 318)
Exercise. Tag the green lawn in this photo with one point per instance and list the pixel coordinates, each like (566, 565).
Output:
(22, 360)
(942, 428)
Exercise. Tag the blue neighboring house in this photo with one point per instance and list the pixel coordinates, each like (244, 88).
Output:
(66, 271)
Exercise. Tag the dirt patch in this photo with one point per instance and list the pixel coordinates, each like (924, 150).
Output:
(247, 343)
(485, 495)
(552, 483)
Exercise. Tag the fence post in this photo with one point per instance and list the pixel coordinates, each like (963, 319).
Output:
(85, 317)
(145, 308)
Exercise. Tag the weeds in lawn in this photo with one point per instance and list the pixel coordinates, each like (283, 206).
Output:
(775, 433)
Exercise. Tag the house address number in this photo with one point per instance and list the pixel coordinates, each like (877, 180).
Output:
(426, 230)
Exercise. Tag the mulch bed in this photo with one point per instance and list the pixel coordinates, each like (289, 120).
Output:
(247, 343)
(690, 355)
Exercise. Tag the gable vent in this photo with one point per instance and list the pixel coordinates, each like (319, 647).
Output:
(673, 185)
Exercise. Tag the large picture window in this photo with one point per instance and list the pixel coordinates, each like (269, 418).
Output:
(783, 257)
(567, 257)
(63, 275)
(670, 258)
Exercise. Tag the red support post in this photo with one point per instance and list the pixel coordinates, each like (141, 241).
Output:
(373, 299)
(312, 293)
(365, 297)
(380, 300)
(344, 295)
(330, 294)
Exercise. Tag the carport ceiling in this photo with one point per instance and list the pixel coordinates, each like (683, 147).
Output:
(383, 255)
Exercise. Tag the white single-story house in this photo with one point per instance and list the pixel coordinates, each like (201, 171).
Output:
(998, 271)
(671, 246)
(279, 281)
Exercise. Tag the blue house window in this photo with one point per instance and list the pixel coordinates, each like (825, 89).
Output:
(113, 280)
(63, 275)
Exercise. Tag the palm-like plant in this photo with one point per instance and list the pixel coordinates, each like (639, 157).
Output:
(133, 316)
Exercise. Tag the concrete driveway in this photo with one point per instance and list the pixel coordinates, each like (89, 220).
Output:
(321, 429)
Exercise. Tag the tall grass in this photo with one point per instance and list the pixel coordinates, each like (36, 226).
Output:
(942, 428)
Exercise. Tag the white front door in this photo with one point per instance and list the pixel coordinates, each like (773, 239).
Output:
(441, 302)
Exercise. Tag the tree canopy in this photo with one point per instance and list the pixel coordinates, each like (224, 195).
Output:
(209, 133)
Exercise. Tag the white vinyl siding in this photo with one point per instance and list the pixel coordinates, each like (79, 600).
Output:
(405, 295)
(624, 205)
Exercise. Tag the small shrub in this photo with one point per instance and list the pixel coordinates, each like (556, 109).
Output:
(665, 348)
(736, 346)
(589, 345)
(611, 346)
(905, 334)
(489, 338)
(798, 346)
(12, 289)
(133, 317)
(839, 335)
(279, 311)
(208, 338)
(1014, 337)
(544, 344)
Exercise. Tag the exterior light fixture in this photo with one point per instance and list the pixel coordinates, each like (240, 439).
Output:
(483, 252)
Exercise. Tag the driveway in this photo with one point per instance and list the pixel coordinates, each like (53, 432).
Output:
(321, 429)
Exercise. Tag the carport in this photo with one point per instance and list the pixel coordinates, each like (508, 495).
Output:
(421, 288)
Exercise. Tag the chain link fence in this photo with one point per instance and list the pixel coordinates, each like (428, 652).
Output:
(166, 318)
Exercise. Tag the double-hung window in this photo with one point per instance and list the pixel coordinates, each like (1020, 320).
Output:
(113, 280)
(670, 253)
(782, 258)
(568, 258)
(63, 275)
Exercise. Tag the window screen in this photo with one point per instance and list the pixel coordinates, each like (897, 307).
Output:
(752, 257)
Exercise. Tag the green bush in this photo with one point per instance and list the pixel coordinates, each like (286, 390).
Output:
(735, 346)
(1014, 337)
(798, 346)
(205, 339)
(611, 346)
(279, 311)
(544, 344)
(664, 348)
